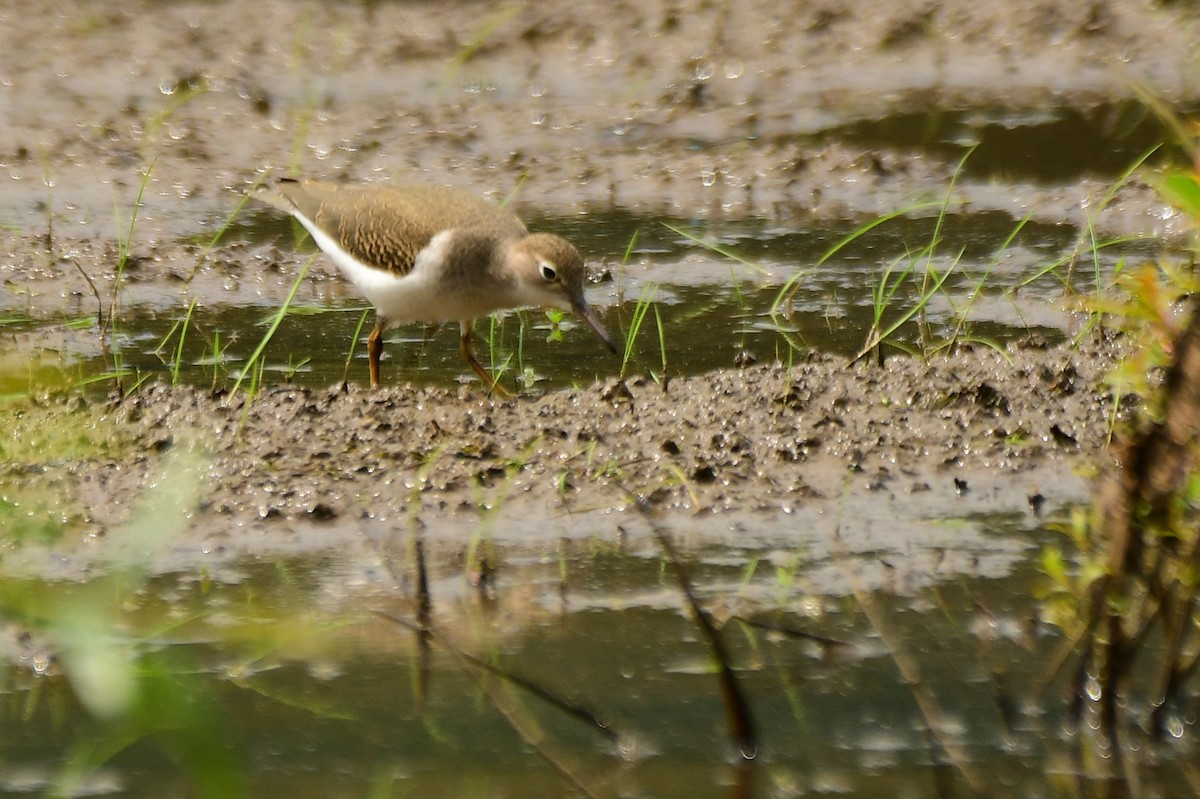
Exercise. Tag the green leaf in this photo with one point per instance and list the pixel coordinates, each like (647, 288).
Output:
(1181, 189)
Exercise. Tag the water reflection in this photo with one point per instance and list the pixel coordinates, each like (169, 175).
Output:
(582, 668)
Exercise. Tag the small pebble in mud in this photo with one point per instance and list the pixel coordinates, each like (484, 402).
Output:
(1062, 437)
(745, 358)
(323, 512)
(616, 391)
(960, 486)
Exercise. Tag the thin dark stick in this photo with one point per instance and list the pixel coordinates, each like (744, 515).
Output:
(737, 709)
(537, 746)
(424, 622)
(790, 632)
(570, 708)
(95, 293)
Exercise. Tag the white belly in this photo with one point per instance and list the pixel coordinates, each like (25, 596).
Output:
(418, 296)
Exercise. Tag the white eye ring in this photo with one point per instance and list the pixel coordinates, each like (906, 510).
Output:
(547, 271)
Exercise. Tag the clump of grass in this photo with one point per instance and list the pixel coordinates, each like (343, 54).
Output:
(961, 330)
(180, 327)
(496, 350)
(124, 243)
(907, 284)
(884, 293)
(1090, 246)
(783, 303)
(294, 366)
(643, 307)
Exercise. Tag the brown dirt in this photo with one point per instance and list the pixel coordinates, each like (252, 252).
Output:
(691, 109)
(764, 456)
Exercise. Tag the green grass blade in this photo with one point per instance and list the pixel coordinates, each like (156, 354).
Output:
(788, 290)
(635, 325)
(179, 348)
(362, 320)
(717, 248)
(276, 321)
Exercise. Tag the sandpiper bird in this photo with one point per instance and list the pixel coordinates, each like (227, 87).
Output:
(435, 254)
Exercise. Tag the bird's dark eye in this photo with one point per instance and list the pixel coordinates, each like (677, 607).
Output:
(548, 273)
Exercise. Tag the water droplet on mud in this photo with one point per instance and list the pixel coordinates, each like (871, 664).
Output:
(1175, 727)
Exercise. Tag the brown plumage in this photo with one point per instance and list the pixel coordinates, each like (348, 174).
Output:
(387, 227)
(431, 253)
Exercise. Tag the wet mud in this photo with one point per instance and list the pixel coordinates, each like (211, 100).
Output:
(705, 111)
(862, 457)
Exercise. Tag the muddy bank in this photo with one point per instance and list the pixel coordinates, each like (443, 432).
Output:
(880, 456)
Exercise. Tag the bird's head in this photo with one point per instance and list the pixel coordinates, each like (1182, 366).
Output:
(551, 273)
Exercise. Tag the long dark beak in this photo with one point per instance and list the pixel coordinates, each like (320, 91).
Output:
(585, 313)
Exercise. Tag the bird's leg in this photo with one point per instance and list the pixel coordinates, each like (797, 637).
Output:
(468, 355)
(375, 351)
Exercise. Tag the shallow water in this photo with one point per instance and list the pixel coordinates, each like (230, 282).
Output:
(1044, 145)
(317, 696)
(723, 295)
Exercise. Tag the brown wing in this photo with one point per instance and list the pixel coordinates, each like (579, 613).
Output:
(386, 227)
